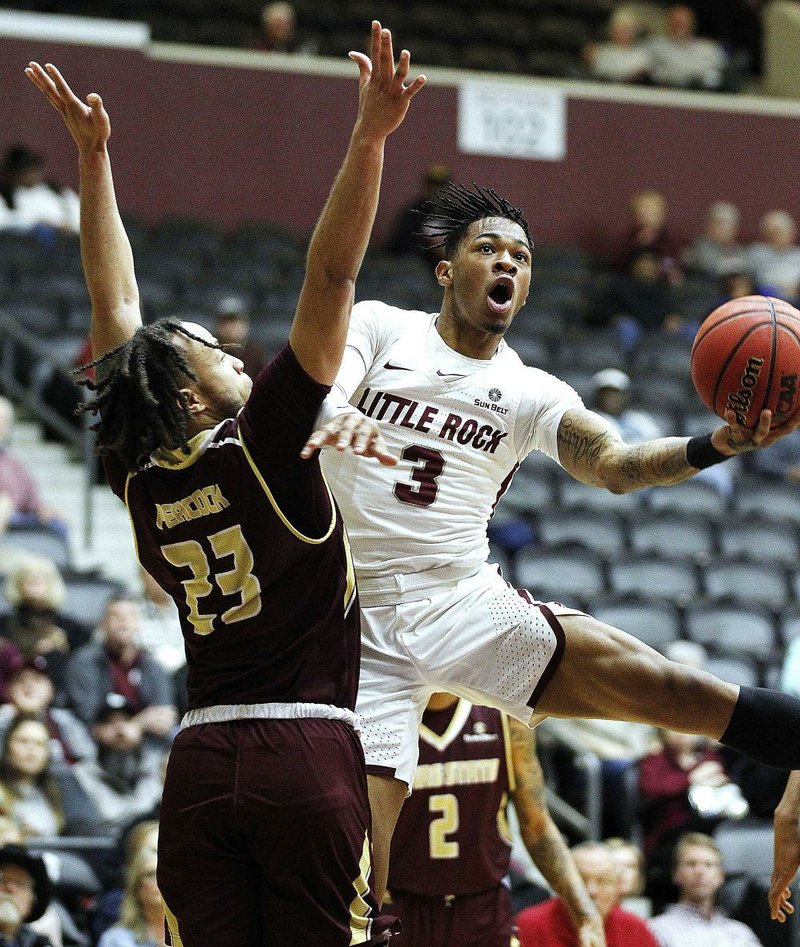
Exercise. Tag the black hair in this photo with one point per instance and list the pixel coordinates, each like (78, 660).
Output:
(448, 214)
(138, 398)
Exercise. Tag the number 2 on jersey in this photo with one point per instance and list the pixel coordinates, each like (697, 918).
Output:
(238, 580)
(426, 476)
(447, 823)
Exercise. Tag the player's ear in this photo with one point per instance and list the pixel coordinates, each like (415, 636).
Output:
(444, 273)
(194, 403)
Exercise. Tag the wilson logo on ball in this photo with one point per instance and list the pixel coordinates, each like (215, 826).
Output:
(739, 401)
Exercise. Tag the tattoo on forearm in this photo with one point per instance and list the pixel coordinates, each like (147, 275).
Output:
(580, 445)
(656, 462)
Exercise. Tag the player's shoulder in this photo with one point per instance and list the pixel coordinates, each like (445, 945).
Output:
(373, 310)
(510, 360)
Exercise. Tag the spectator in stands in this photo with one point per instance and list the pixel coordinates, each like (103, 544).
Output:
(680, 58)
(629, 859)
(20, 501)
(549, 924)
(695, 921)
(160, 631)
(28, 791)
(717, 251)
(142, 836)
(775, 261)
(781, 461)
(142, 915)
(115, 664)
(24, 896)
(405, 236)
(31, 691)
(33, 202)
(35, 590)
(232, 329)
(639, 301)
(126, 778)
(611, 397)
(279, 32)
(648, 230)
(623, 58)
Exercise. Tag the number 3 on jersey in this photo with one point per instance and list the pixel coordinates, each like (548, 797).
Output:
(237, 581)
(426, 476)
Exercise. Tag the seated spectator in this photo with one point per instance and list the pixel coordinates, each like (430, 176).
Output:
(232, 329)
(279, 32)
(160, 628)
(695, 921)
(612, 399)
(142, 913)
(28, 791)
(406, 235)
(736, 285)
(648, 230)
(115, 664)
(549, 924)
(623, 58)
(20, 500)
(717, 251)
(32, 201)
(682, 787)
(639, 301)
(142, 835)
(35, 590)
(31, 691)
(775, 262)
(780, 461)
(681, 59)
(24, 896)
(629, 860)
(126, 778)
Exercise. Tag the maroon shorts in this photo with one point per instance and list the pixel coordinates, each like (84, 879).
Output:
(264, 838)
(473, 920)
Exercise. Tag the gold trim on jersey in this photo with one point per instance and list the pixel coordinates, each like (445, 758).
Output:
(455, 726)
(130, 517)
(179, 459)
(273, 503)
(172, 926)
(360, 919)
(350, 586)
(512, 779)
(503, 828)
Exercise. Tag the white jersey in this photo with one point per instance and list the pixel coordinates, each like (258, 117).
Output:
(461, 426)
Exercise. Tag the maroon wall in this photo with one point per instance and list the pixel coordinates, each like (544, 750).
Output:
(234, 143)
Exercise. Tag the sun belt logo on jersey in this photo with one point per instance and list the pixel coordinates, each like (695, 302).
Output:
(494, 396)
(479, 729)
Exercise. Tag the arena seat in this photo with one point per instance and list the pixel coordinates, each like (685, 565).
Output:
(769, 541)
(655, 576)
(600, 531)
(565, 573)
(672, 533)
(732, 628)
(748, 581)
(692, 497)
(656, 623)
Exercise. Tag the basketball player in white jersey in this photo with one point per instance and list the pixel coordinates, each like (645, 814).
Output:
(445, 394)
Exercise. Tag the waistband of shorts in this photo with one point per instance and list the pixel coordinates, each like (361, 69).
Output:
(393, 589)
(227, 713)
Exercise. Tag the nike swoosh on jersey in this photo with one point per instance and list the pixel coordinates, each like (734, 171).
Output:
(449, 375)
(397, 368)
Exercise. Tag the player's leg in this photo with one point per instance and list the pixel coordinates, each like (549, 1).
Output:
(386, 797)
(302, 792)
(209, 882)
(609, 674)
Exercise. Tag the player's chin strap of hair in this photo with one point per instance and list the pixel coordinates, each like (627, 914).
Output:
(701, 453)
(764, 726)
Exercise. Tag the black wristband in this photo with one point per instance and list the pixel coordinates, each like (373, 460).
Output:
(701, 453)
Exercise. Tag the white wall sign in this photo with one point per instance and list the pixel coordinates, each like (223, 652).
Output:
(512, 121)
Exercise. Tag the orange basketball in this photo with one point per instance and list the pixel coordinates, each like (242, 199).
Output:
(746, 357)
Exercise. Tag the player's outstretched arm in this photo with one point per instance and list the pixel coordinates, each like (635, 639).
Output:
(593, 452)
(787, 849)
(105, 249)
(342, 234)
(543, 840)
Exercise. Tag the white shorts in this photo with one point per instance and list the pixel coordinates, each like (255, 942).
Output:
(475, 637)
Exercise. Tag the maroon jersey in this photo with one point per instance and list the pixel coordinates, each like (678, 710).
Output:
(246, 538)
(452, 836)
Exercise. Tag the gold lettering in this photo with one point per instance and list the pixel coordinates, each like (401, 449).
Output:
(202, 502)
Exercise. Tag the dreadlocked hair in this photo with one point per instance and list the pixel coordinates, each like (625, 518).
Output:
(138, 396)
(448, 214)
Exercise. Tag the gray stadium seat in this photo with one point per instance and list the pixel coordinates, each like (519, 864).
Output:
(735, 670)
(655, 576)
(692, 497)
(769, 501)
(766, 541)
(672, 535)
(87, 596)
(656, 623)
(566, 574)
(747, 581)
(39, 541)
(732, 629)
(596, 530)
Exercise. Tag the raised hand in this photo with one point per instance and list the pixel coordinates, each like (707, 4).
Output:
(384, 96)
(735, 439)
(88, 122)
(351, 431)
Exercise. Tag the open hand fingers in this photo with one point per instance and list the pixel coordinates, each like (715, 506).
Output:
(779, 901)
(44, 84)
(369, 442)
(364, 66)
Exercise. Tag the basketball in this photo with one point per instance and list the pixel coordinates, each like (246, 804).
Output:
(746, 357)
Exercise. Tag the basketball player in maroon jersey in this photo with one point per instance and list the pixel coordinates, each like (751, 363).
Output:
(451, 847)
(264, 838)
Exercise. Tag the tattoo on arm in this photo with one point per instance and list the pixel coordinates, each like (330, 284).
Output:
(540, 834)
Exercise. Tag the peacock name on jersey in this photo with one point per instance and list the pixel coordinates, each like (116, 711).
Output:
(405, 412)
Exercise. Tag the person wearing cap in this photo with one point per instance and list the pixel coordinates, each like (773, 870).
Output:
(29, 201)
(232, 329)
(126, 778)
(611, 389)
(24, 896)
(30, 690)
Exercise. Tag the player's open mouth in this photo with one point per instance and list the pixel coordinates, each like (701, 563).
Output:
(501, 295)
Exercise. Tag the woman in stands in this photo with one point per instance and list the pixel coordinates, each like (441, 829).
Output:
(142, 916)
(28, 791)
